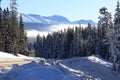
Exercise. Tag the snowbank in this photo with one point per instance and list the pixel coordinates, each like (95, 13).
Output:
(34, 71)
(8, 57)
(85, 68)
(88, 68)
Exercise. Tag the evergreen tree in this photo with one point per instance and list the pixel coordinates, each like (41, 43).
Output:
(116, 44)
(103, 27)
(63, 41)
(12, 36)
(1, 26)
(15, 29)
(69, 38)
(7, 31)
(22, 38)
(90, 41)
(75, 48)
(95, 39)
(38, 45)
(49, 45)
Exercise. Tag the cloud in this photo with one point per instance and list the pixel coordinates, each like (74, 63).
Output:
(32, 34)
(61, 27)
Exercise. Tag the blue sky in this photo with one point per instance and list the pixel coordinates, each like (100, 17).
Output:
(71, 9)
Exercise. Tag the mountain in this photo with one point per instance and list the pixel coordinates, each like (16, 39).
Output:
(84, 22)
(51, 20)
(38, 22)
(56, 19)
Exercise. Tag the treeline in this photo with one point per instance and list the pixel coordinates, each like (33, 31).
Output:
(12, 35)
(71, 42)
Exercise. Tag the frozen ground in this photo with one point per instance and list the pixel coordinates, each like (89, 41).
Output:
(84, 68)
(7, 59)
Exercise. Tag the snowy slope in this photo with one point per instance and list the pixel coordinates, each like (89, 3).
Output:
(57, 19)
(89, 68)
(51, 20)
(10, 57)
(7, 59)
(84, 22)
(85, 68)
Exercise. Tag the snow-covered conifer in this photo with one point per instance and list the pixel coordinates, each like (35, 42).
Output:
(104, 25)
(116, 46)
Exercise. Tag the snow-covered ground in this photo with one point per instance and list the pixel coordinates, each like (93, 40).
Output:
(7, 59)
(80, 68)
(10, 57)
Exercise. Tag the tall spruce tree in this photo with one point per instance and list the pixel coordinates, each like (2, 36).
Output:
(1, 26)
(7, 31)
(22, 38)
(69, 38)
(75, 48)
(103, 27)
(37, 46)
(14, 25)
(90, 41)
(116, 43)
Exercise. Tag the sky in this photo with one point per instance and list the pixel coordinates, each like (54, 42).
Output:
(71, 9)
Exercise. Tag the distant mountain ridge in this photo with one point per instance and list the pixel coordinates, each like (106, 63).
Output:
(51, 20)
(33, 21)
(84, 22)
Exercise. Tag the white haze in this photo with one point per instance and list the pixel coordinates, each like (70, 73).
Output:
(34, 33)
(31, 34)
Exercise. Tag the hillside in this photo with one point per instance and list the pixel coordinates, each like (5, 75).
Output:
(38, 22)
(7, 59)
(80, 68)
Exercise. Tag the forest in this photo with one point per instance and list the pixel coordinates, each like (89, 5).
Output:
(13, 38)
